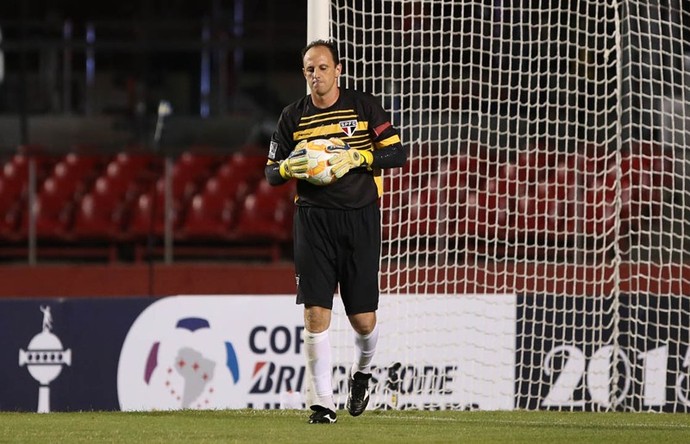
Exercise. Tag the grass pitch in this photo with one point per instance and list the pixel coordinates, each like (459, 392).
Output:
(276, 426)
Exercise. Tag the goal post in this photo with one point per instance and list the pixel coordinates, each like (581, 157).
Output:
(545, 199)
(318, 20)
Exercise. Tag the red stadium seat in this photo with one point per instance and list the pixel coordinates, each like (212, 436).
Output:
(231, 182)
(265, 215)
(196, 165)
(391, 198)
(13, 184)
(136, 162)
(120, 179)
(128, 176)
(396, 187)
(188, 173)
(10, 220)
(55, 201)
(147, 216)
(463, 172)
(485, 213)
(599, 210)
(82, 165)
(534, 165)
(646, 178)
(99, 213)
(17, 167)
(51, 222)
(417, 166)
(13, 188)
(537, 217)
(247, 166)
(418, 217)
(417, 171)
(210, 213)
(59, 190)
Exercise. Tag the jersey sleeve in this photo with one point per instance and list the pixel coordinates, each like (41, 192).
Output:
(282, 143)
(382, 131)
(388, 149)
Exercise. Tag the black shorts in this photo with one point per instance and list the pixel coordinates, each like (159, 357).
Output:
(334, 246)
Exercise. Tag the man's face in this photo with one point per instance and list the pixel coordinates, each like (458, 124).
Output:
(320, 70)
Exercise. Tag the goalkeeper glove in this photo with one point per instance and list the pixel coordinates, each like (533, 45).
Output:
(295, 166)
(349, 159)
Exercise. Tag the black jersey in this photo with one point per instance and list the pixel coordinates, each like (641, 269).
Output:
(356, 118)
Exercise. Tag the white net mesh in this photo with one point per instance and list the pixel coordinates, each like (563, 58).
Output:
(547, 167)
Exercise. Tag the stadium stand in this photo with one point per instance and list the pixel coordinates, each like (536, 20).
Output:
(540, 196)
(223, 207)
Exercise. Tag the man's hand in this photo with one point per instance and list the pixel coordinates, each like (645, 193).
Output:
(349, 159)
(295, 166)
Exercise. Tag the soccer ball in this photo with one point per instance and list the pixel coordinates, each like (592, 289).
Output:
(319, 151)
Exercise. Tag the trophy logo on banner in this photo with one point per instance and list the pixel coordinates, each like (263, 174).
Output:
(44, 357)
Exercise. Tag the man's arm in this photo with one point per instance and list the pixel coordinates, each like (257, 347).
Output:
(389, 151)
(392, 156)
(296, 165)
(389, 157)
(285, 160)
(272, 173)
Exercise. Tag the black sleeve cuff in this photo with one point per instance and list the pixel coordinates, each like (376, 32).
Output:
(393, 156)
(272, 173)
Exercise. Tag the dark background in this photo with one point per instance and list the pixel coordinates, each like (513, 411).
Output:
(211, 59)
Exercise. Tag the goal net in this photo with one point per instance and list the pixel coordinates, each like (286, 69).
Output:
(535, 243)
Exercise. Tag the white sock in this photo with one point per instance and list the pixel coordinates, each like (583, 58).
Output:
(317, 348)
(365, 347)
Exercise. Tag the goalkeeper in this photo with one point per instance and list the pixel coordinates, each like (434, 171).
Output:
(337, 230)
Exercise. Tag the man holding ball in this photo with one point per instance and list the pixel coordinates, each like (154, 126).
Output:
(337, 230)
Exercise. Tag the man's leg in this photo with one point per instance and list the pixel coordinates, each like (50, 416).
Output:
(366, 338)
(317, 348)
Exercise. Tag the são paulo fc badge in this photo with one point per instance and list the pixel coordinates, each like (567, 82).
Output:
(348, 126)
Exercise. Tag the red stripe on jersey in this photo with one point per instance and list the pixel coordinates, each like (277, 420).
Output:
(381, 128)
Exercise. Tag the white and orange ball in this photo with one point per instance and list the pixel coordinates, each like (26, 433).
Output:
(319, 152)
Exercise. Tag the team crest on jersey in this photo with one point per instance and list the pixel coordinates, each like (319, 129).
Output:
(348, 126)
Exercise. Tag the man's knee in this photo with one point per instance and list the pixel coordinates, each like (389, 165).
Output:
(316, 319)
(363, 323)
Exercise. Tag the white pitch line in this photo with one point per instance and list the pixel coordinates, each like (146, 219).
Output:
(404, 417)
(534, 423)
